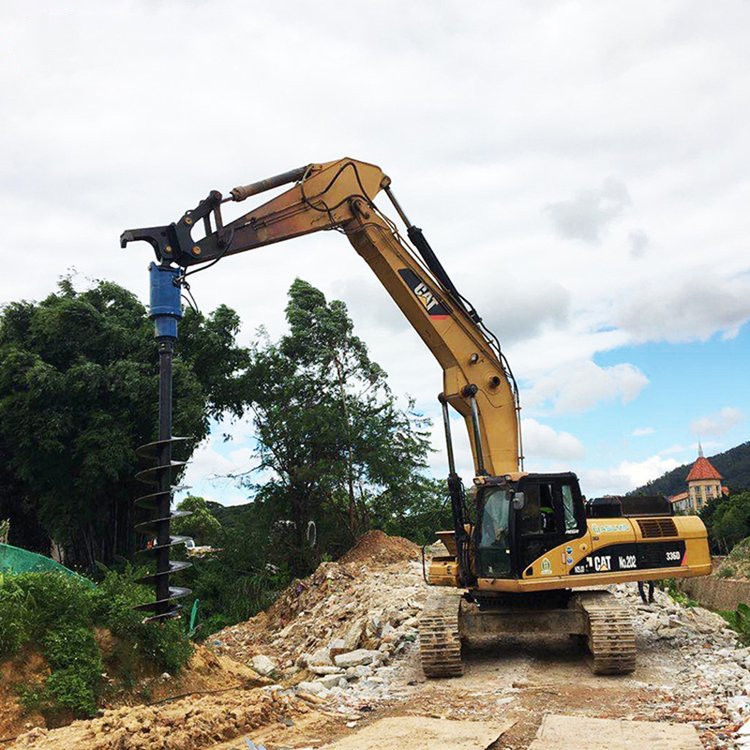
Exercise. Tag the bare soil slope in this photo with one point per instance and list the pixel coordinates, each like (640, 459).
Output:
(205, 672)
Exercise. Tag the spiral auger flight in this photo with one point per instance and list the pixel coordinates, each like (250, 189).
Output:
(157, 527)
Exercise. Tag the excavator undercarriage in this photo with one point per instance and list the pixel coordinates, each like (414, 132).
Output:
(451, 616)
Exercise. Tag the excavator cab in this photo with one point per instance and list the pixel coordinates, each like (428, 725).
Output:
(518, 522)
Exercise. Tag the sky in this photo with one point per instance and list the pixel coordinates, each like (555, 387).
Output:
(579, 167)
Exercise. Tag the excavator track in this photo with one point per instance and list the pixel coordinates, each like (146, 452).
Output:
(439, 637)
(610, 634)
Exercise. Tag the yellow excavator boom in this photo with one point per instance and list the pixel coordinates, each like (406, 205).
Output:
(340, 195)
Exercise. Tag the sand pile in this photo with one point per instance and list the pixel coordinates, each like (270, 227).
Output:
(375, 547)
(188, 724)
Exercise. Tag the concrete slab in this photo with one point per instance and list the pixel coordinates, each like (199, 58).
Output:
(583, 733)
(423, 733)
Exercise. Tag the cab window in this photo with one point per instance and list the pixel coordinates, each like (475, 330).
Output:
(538, 513)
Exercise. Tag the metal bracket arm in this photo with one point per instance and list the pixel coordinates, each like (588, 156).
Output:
(173, 242)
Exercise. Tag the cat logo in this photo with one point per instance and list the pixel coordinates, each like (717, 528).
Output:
(433, 306)
(600, 563)
(425, 296)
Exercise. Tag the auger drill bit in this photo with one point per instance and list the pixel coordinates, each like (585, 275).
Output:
(165, 312)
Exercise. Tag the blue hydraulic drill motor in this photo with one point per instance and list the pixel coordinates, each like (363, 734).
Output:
(165, 299)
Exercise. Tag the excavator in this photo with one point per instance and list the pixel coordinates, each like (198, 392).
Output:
(527, 553)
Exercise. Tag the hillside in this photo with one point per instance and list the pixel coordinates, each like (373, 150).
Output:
(733, 465)
(229, 516)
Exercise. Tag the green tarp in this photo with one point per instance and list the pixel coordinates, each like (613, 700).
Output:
(17, 560)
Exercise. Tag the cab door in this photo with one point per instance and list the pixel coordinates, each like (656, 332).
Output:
(493, 533)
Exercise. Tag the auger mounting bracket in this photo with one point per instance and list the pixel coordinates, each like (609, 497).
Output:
(174, 243)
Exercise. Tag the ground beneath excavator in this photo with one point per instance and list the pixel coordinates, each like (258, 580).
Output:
(690, 670)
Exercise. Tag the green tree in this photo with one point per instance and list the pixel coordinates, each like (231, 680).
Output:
(334, 448)
(78, 394)
(727, 520)
(201, 525)
(429, 510)
(237, 581)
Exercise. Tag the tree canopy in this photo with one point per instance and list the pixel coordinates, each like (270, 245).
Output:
(201, 525)
(78, 394)
(336, 453)
(727, 520)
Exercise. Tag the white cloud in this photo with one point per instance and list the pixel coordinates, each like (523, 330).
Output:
(368, 303)
(540, 441)
(215, 461)
(676, 449)
(579, 386)
(438, 459)
(587, 215)
(207, 463)
(689, 306)
(642, 431)
(575, 92)
(718, 423)
(523, 308)
(626, 476)
(639, 241)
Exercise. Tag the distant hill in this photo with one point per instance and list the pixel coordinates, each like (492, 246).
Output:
(733, 465)
(229, 516)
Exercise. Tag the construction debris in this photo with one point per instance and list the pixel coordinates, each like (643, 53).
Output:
(708, 666)
(188, 724)
(345, 628)
(342, 644)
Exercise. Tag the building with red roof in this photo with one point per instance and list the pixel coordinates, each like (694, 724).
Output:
(703, 485)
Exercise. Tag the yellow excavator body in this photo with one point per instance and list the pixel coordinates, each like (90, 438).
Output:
(607, 553)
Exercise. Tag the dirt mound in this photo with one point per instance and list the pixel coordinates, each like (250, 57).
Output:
(187, 724)
(206, 671)
(375, 546)
(369, 599)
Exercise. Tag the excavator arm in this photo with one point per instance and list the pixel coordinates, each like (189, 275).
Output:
(340, 195)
